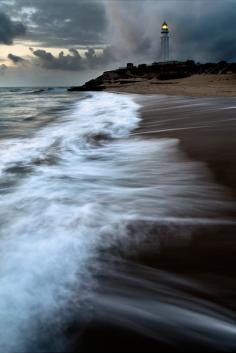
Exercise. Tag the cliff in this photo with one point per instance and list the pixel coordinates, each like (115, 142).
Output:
(155, 73)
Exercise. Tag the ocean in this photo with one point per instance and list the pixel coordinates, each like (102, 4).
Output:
(80, 197)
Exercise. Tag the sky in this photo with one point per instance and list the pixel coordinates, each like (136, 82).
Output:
(66, 42)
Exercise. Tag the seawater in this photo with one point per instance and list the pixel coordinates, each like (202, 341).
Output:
(74, 185)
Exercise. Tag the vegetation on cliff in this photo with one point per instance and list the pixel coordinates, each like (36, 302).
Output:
(161, 71)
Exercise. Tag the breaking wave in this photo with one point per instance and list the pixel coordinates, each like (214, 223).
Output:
(78, 187)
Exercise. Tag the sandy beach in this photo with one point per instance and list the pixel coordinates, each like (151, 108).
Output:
(204, 85)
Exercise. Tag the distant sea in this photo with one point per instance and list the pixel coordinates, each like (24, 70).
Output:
(79, 193)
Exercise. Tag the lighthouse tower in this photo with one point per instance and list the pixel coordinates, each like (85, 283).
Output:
(165, 50)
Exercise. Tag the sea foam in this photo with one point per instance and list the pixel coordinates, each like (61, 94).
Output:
(79, 186)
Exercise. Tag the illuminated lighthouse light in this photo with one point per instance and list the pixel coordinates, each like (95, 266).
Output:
(165, 26)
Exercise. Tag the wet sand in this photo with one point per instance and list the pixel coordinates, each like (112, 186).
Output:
(206, 130)
(200, 271)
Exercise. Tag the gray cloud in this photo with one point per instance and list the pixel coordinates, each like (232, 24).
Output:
(16, 59)
(69, 62)
(202, 30)
(10, 29)
(63, 23)
(3, 69)
(73, 61)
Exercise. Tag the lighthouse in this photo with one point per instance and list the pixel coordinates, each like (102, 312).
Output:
(165, 50)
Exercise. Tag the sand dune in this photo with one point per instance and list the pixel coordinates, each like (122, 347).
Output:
(196, 85)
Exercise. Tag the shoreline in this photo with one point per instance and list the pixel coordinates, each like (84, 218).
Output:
(201, 265)
(206, 133)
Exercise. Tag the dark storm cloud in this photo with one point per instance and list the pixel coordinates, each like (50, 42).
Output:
(63, 23)
(72, 61)
(15, 58)
(209, 33)
(199, 29)
(203, 30)
(69, 62)
(10, 29)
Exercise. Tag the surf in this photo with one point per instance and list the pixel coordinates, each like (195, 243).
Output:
(81, 186)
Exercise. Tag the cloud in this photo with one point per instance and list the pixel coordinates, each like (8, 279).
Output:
(10, 29)
(73, 61)
(3, 69)
(16, 59)
(202, 30)
(63, 23)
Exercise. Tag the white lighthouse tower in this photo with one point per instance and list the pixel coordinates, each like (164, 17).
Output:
(165, 49)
